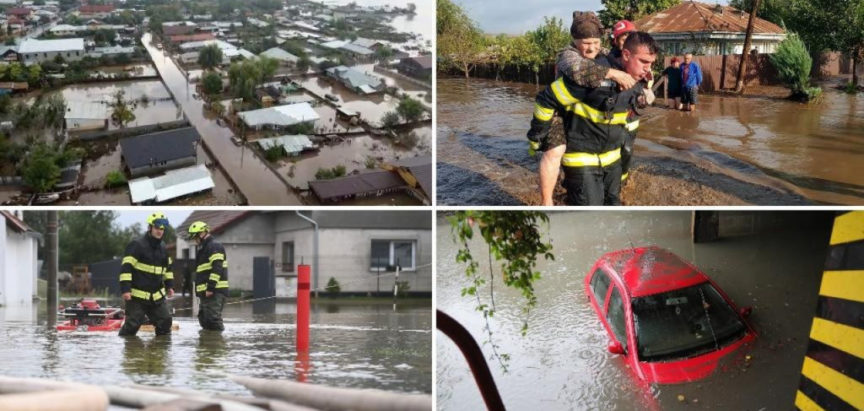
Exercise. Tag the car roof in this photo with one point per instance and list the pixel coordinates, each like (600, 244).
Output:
(651, 270)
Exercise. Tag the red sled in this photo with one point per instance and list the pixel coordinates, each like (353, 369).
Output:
(87, 315)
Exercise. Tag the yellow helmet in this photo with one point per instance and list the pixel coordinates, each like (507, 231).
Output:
(197, 228)
(158, 220)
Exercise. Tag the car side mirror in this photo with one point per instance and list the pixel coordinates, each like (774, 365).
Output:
(745, 311)
(615, 347)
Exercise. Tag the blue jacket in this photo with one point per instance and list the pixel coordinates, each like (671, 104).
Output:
(694, 79)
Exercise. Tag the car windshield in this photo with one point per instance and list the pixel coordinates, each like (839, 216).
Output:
(684, 323)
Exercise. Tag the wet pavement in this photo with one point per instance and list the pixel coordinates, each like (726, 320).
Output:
(352, 345)
(254, 179)
(783, 146)
(563, 362)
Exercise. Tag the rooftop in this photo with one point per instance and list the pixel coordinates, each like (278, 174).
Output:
(175, 183)
(368, 182)
(152, 148)
(690, 16)
(86, 110)
(30, 45)
(291, 144)
(287, 115)
(279, 54)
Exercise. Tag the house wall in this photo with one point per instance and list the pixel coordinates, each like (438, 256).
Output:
(345, 254)
(715, 47)
(169, 165)
(29, 58)
(18, 265)
(81, 124)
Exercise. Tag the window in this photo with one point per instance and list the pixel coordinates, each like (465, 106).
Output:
(288, 256)
(386, 254)
(599, 286)
(615, 317)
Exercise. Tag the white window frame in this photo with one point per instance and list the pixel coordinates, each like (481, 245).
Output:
(391, 261)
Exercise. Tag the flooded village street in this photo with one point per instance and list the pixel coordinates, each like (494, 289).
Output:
(352, 345)
(254, 179)
(742, 150)
(771, 262)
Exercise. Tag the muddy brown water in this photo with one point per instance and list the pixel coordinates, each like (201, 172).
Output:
(254, 179)
(563, 362)
(810, 150)
(358, 345)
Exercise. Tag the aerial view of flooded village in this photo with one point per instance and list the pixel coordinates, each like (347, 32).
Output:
(224, 102)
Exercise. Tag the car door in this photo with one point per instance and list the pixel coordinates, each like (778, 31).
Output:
(616, 316)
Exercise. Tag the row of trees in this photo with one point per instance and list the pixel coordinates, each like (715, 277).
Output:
(823, 25)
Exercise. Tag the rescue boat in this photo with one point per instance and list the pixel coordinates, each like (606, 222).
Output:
(87, 315)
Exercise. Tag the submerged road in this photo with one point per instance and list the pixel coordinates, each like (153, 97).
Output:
(253, 178)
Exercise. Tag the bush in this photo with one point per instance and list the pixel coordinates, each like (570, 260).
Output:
(274, 153)
(114, 179)
(333, 286)
(411, 110)
(390, 120)
(793, 64)
(212, 83)
(330, 173)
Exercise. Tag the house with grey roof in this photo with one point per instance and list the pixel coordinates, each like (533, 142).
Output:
(38, 51)
(156, 152)
(357, 81)
(359, 249)
(285, 58)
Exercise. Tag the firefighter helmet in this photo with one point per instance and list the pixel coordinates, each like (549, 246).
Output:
(196, 228)
(158, 220)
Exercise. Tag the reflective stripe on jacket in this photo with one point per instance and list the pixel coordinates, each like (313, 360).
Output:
(145, 270)
(211, 268)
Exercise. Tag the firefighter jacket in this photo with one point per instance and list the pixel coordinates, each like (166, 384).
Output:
(211, 268)
(146, 269)
(596, 121)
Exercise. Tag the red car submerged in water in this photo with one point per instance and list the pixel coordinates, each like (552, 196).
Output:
(668, 318)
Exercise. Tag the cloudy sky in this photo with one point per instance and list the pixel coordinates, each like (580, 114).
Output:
(128, 218)
(517, 17)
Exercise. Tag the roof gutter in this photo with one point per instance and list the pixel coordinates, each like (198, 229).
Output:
(315, 252)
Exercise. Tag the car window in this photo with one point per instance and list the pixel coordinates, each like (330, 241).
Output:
(599, 286)
(683, 323)
(615, 317)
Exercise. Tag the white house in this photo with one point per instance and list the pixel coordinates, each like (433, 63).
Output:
(18, 260)
(279, 116)
(86, 115)
(708, 29)
(38, 51)
(356, 248)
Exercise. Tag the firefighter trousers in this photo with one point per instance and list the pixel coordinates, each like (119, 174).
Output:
(210, 312)
(593, 185)
(137, 310)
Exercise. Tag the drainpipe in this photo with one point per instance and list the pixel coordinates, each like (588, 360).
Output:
(315, 253)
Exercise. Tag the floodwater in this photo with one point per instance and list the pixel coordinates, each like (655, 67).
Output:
(356, 345)
(352, 153)
(563, 362)
(812, 150)
(422, 23)
(371, 108)
(254, 179)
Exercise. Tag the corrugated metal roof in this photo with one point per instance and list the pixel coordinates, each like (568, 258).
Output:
(368, 182)
(357, 49)
(175, 183)
(42, 46)
(292, 144)
(691, 16)
(356, 78)
(279, 54)
(421, 168)
(286, 115)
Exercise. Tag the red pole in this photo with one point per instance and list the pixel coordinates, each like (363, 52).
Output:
(302, 307)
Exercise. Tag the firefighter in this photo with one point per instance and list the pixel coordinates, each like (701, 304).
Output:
(145, 275)
(597, 123)
(211, 276)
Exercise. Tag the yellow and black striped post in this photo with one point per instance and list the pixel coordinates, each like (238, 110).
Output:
(832, 377)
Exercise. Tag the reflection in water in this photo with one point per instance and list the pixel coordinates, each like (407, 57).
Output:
(151, 357)
(210, 351)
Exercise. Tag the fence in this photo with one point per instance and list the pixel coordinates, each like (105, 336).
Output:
(133, 131)
(718, 72)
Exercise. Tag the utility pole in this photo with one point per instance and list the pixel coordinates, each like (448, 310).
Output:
(51, 259)
(748, 39)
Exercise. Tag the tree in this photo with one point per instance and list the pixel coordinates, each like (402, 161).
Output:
(384, 53)
(210, 57)
(411, 110)
(245, 76)
(40, 171)
(512, 238)
(90, 236)
(34, 75)
(745, 52)
(459, 40)
(304, 63)
(793, 64)
(390, 120)
(122, 113)
(614, 10)
(212, 83)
